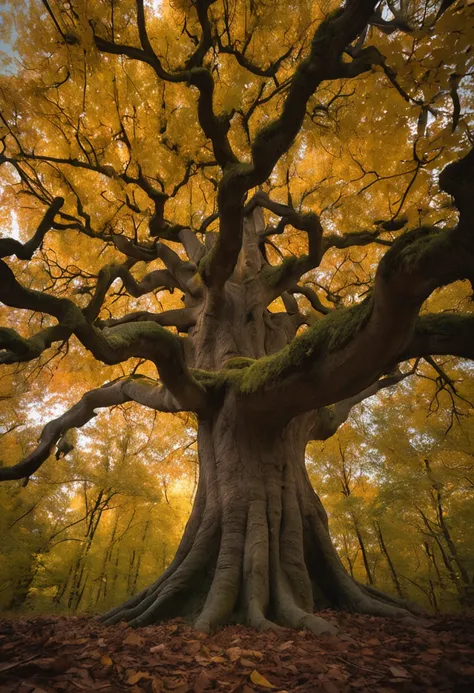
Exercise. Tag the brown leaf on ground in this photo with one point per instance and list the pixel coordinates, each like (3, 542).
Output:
(134, 640)
(371, 655)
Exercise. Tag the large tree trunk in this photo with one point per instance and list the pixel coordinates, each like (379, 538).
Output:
(256, 548)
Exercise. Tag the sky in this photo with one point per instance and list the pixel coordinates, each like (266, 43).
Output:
(6, 46)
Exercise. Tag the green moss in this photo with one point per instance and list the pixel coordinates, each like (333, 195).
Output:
(272, 276)
(238, 362)
(328, 335)
(205, 262)
(122, 336)
(215, 381)
(409, 248)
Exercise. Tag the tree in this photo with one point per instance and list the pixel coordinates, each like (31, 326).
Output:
(186, 138)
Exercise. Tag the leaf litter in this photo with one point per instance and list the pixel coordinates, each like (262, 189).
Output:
(49, 654)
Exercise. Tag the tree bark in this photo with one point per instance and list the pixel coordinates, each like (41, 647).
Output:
(256, 548)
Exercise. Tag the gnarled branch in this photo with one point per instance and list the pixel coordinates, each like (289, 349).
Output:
(116, 344)
(136, 388)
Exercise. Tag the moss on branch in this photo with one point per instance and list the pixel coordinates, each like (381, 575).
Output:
(248, 375)
(276, 274)
(333, 332)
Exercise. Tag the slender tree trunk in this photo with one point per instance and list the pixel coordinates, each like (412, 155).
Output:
(384, 550)
(103, 577)
(138, 561)
(62, 588)
(75, 595)
(365, 557)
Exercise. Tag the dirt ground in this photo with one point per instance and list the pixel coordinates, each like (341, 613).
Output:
(43, 654)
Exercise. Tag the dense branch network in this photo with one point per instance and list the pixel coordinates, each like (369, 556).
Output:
(343, 355)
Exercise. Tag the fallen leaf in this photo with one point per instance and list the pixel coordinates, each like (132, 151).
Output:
(106, 660)
(260, 680)
(399, 673)
(285, 645)
(156, 685)
(193, 647)
(138, 676)
(233, 653)
(134, 639)
(247, 663)
(252, 653)
(203, 682)
(158, 648)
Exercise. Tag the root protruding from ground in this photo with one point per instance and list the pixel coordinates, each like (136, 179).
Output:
(243, 571)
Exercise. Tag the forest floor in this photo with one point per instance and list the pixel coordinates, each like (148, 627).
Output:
(44, 654)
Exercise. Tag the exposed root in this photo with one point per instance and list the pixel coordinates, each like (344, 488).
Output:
(391, 599)
(225, 586)
(256, 550)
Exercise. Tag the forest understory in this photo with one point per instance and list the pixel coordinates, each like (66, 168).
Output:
(45, 654)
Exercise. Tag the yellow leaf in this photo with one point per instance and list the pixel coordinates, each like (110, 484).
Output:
(106, 660)
(260, 680)
(137, 676)
(233, 653)
(252, 653)
(158, 648)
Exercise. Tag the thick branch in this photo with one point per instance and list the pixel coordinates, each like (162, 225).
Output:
(312, 297)
(327, 420)
(357, 238)
(347, 350)
(17, 349)
(181, 274)
(24, 251)
(114, 345)
(181, 318)
(284, 276)
(439, 334)
(158, 279)
(241, 58)
(137, 389)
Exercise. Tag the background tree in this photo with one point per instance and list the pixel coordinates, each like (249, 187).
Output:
(172, 147)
